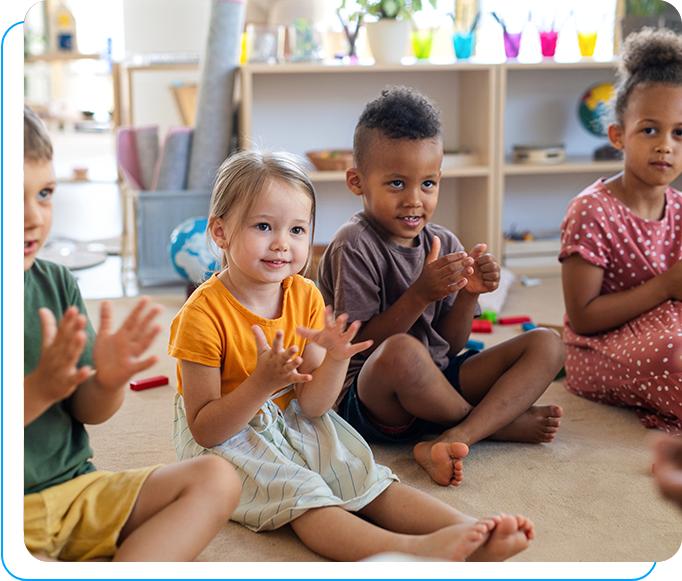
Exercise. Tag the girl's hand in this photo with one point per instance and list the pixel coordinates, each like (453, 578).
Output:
(276, 367)
(116, 355)
(442, 276)
(486, 272)
(674, 281)
(57, 376)
(335, 338)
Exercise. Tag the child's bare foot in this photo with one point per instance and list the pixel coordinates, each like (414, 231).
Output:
(539, 424)
(456, 542)
(442, 460)
(668, 460)
(512, 535)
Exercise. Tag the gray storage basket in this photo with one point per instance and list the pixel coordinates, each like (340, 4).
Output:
(157, 214)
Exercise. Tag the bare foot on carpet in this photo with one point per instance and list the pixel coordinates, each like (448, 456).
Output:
(511, 535)
(442, 460)
(456, 542)
(539, 424)
(668, 472)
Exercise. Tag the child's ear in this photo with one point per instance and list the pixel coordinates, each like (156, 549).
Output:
(216, 226)
(354, 181)
(615, 133)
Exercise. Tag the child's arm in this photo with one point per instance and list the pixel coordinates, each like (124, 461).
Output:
(326, 358)
(115, 358)
(56, 376)
(455, 327)
(590, 312)
(440, 277)
(212, 419)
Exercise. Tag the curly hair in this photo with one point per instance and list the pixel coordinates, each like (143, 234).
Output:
(399, 113)
(648, 57)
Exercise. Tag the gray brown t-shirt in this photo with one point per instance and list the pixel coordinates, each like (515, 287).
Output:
(362, 273)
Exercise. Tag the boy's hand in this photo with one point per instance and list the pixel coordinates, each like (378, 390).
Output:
(116, 356)
(442, 276)
(56, 375)
(333, 338)
(486, 271)
(276, 367)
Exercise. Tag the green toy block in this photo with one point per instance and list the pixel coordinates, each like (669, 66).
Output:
(490, 316)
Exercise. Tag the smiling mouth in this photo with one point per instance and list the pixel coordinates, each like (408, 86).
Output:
(411, 219)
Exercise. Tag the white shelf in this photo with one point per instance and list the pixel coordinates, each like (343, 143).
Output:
(571, 165)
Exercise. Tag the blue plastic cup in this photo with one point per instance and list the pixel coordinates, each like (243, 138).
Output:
(463, 43)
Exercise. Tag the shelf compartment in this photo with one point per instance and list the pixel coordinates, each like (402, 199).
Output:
(573, 164)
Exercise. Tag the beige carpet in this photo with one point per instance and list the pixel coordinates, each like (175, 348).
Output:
(590, 492)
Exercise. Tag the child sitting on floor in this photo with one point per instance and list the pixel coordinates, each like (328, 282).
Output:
(621, 248)
(72, 511)
(415, 291)
(251, 389)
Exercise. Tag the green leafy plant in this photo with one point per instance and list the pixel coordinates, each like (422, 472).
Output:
(644, 7)
(387, 8)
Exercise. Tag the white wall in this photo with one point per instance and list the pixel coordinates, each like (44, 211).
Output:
(158, 26)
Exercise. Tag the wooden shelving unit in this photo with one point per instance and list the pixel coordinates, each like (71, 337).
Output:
(485, 107)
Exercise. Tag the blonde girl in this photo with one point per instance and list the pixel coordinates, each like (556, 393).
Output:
(260, 364)
(622, 248)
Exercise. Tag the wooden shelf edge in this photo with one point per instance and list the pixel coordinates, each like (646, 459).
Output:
(561, 168)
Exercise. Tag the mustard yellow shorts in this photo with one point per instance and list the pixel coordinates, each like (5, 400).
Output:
(82, 518)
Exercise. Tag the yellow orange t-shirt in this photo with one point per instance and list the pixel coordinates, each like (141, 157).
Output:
(214, 329)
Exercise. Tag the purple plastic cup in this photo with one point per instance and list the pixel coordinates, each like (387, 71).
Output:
(512, 43)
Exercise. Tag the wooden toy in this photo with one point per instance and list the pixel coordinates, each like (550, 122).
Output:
(141, 384)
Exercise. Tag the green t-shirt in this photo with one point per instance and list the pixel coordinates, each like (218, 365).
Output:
(56, 446)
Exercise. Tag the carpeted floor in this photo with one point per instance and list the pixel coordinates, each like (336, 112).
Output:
(590, 492)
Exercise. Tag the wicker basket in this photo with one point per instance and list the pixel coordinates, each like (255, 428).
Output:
(331, 159)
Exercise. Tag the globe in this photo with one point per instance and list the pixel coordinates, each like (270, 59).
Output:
(595, 108)
(190, 253)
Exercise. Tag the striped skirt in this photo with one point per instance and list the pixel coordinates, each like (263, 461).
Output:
(289, 462)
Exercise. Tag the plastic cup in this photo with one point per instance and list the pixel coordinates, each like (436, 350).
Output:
(512, 43)
(548, 40)
(587, 42)
(463, 43)
(421, 42)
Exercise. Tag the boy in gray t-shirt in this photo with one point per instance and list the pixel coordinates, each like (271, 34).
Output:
(416, 291)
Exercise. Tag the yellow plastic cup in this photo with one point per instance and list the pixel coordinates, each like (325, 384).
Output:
(587, 42)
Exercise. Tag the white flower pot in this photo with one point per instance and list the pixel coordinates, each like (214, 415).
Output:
(388, 39)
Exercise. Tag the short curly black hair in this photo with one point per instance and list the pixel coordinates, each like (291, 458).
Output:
(648, 57)
(399, 113)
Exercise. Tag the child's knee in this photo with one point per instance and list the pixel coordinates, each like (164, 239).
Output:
(550, 344)
(400, 356)
(219, 480)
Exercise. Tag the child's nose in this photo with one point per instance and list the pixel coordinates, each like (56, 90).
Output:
(412, 197)
(33, 217)
(665, 145)
(280, 242)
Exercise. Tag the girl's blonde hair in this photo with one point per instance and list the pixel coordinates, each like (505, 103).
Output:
(243, 177)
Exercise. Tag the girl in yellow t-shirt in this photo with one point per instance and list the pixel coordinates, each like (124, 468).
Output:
(260, 364)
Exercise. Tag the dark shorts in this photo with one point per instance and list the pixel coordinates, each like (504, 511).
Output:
(354, 412)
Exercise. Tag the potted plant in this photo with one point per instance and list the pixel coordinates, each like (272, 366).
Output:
(388, 37)
(641, 13)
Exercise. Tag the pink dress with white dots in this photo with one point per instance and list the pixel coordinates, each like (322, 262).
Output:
(640, 363)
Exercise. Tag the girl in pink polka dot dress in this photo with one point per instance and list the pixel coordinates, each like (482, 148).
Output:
(621, 248)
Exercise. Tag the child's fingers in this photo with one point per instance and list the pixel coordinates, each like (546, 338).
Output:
(261, 341)
(358, 347)
(143, 365)
(296, 377)
(48, 324)
(435, 251)
(278, 341)
(147, 339)
(132, 320)
(106, 317)
(307, 333)
(477, 251)
(148, 320)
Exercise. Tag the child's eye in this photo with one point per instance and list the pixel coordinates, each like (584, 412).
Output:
(45, 194)
(648, 130)
(298, 230)
(263, 227)
(677, 133)
(429, 184)
(396, 183)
